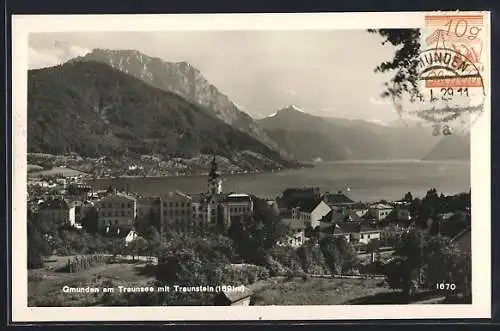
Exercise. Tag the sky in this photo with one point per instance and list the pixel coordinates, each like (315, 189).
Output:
(327, 73)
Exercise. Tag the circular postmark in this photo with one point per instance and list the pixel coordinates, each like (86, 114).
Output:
(448, 93)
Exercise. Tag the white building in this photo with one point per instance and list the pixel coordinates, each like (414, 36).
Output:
(353, 232)
(380, 211)
(131, 236)
(296, 233)
(312, 212)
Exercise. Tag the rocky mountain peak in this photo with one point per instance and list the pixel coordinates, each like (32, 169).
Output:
(183, 79)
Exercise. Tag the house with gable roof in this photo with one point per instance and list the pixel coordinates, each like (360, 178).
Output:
(352, 232)
(311, 211)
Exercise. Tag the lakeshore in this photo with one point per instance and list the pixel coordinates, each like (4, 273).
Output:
(366, 180)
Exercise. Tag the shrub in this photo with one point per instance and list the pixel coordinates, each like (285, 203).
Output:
(78, 264)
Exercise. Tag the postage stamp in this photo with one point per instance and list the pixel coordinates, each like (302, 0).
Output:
(450, 89)
(142, 187)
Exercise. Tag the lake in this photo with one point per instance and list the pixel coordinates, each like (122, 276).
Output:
(367, 180)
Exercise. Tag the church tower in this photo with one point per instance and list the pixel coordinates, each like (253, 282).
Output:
(214, 180)
(214, 190)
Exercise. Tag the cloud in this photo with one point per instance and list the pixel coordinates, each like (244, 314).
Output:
(56, 54)
(39, 59)
(379, 101)
(291, 93)
(379, 122)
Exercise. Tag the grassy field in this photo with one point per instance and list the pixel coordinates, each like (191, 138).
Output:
(34, 167)
(317, 291)
(45, 285)
(328, 291)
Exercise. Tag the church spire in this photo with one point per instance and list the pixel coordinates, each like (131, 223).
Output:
(214, 180)
(213, 170)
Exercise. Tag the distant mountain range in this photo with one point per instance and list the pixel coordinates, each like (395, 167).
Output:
(123, 101)
(93, 109)
(309, 137)
(180, 78)
(452, 147)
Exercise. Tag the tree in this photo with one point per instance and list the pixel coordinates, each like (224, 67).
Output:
(90, 221)
(404, 62)
(348, 253)
(423, 260)
(255, 236)
(137, 247)
(373, 247)
(152, 234)
(408, 197)
(444, 262)
(153, 240)
(340, 255)
(404, 272)
(38, 247)
(305, 255)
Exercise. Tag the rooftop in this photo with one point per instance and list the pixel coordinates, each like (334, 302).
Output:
(309, 205)
(336, 198)
(238, 197)
(149, 200)
(236, 295)
(176, 194)
(352, 227)
(381, 206)
(119, 194)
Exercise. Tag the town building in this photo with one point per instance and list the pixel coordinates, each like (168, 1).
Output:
(210, 207)
(342, 206)
(352, 232)
(360, 209)
(235, 297)
(131, 236)
(380, 211)
(57, 210)
(237, 205)
(312, 212)
(367, 234)
(149, 209)
(82, 208)
(177, 212)
(118, 210)
(295, 236)
(292, 197)
(77, 189)
(338, 199)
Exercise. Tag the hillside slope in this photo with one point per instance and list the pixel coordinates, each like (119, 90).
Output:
(180, 78)
(93, 110)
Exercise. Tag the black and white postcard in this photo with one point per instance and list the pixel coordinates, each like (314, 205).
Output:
(291, 166)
